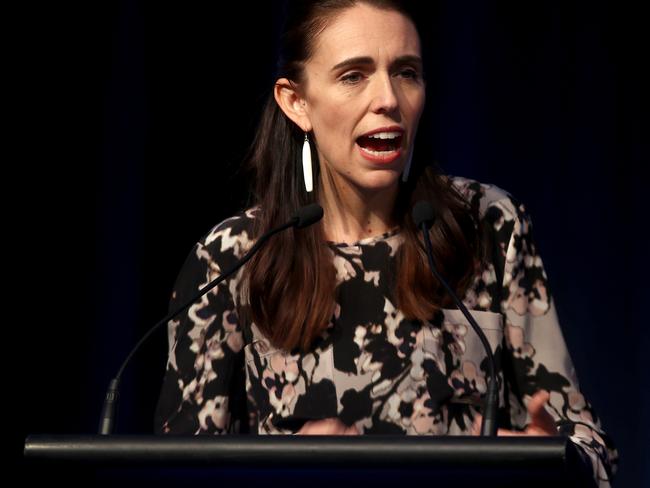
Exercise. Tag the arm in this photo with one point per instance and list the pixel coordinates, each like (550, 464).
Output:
(536, 357)
(204, 375)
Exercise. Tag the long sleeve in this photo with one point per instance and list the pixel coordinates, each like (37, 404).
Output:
(536, 357)
(204, 377)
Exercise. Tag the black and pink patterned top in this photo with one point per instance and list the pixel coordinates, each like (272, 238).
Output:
(372, 367)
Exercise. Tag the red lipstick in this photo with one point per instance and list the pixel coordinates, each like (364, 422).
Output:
(382, 151)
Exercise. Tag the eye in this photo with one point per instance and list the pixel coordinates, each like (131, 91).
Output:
(351, 78)
(410, 74)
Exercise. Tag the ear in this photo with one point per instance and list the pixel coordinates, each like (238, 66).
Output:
(292, 103)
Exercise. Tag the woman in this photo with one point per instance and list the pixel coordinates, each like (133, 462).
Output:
(340, 328)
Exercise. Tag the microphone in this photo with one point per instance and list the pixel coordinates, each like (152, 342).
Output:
(304, 217)
(423, 217)
(307, 215)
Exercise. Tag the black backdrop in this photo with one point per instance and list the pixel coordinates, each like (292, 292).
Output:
(132, 118)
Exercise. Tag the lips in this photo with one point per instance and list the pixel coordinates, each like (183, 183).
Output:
(392, 128)
(380, 157)
(380, 144)
(382, 139)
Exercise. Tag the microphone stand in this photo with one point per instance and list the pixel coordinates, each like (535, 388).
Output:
(423, 214)
(305, 216)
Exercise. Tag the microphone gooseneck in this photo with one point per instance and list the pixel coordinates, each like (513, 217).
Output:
(423, 217)
(304, 217)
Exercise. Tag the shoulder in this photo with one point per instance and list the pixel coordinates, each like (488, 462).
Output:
(215, 252)
(494, 203)
(232, 236)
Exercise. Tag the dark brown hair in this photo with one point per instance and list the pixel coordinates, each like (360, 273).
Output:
(292, 281)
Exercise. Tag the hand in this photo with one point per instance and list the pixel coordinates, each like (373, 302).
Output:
(541, 422)
(330, 426)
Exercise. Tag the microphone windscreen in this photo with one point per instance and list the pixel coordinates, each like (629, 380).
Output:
(423, 213)
(309, 214)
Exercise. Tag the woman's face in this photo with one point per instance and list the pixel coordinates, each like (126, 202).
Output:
(365, 76)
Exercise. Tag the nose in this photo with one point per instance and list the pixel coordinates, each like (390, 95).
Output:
(384, 96)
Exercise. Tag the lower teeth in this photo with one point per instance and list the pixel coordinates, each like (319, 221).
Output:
(377, 153)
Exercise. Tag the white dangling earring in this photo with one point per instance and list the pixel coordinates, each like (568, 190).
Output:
(306, 165)
(407, 168)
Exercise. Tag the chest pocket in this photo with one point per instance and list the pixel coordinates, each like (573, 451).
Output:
(463, 353)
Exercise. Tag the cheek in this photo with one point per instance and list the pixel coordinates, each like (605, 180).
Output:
(416, 104)
(334, 119)
(335, 127)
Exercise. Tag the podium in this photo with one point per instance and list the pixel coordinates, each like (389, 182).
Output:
(334, 461)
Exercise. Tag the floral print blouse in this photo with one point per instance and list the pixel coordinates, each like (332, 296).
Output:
(372, 367)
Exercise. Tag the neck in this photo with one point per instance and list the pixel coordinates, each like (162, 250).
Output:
(352, 213)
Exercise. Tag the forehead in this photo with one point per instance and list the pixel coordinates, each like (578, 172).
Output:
(363, 30)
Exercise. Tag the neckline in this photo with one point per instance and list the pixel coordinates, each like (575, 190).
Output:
(367, 240)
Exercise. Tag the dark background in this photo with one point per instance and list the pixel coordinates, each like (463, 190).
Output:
(129, 120)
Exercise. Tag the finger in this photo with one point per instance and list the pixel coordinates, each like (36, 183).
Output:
(532, 430)
(328, 426)
(541, 420)
(509, 433)
(312, 427)
(352, 430)
(537, 401)
(476, 426)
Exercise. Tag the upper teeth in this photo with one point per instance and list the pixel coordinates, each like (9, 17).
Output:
(385, 135)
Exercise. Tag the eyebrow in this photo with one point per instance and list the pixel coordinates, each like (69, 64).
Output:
(367, 60)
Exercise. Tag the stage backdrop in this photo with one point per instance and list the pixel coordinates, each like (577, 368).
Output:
(136, 116)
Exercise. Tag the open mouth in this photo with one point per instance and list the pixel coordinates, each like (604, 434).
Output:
(382, 144)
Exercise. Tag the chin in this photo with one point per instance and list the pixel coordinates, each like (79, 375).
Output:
(380, 180)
